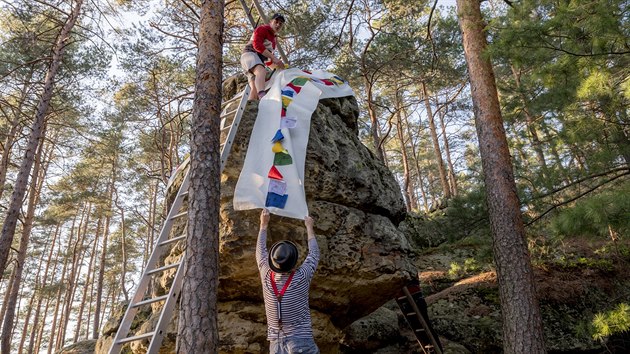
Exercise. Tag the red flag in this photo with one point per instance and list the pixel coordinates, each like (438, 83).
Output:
(274, 173)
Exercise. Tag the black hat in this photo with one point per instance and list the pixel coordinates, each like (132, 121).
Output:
(278, 17)
(283, 256)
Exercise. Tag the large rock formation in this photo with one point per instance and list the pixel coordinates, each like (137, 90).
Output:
(357, 206)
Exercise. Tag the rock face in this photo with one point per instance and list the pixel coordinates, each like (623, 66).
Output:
(357, 206)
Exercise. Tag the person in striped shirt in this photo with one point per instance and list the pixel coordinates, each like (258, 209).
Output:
(285, 290)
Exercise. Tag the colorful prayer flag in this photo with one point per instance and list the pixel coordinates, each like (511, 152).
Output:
(286, 101)
(276, 200)
(287, 92)
(294, 87)
(278, 136)
(277, 187)
(282, 159)
(288, 122)
(274, 173)
(277, 147)
(299, 81)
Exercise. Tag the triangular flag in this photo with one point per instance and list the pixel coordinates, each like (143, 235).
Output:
(282, 159)
(288, 122)
(299, 81)
(278, 136)
(286, 101)
(294, 87)
(337, 80)
(277, 147)
(276, 200)
(274, 173)
(284, 112)
(289, 92)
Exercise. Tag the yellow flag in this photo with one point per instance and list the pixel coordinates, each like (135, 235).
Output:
(277, 147)
(286, 101)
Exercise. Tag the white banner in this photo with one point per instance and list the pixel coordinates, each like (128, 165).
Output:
(277, 147)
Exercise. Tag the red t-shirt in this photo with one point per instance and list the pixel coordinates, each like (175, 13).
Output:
(262, 38)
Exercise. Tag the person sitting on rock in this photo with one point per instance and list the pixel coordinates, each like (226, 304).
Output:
(286, 290)
(256, 52)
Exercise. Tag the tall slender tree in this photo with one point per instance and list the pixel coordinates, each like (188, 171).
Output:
(198, 325)
(8, 228)
(522, 323)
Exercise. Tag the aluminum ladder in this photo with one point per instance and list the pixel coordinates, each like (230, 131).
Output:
(230, 120)
(414, 308)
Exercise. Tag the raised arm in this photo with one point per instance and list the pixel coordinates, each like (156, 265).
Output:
(261, 244)
(311, 261)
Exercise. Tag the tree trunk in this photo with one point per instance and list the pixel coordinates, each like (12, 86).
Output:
(27, 318)
(99, 224)
(436, 144)
(88, 282)
(8, 229)
(403, 151)
(123, 250)
(101, 269)
(374, 126)
(51, 342)
(447, 150)
(531, 124)
(75, 272)
(15, 126)
(198, 326)
(41, 285)
(7, 294)
(33, 198)
(414, 153)
(522, 324)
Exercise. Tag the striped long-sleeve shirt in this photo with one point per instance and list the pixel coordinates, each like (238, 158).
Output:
(296, 314)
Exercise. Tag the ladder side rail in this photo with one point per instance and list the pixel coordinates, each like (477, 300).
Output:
(427, 330)
(143, 285)
(167, 310)
(227, 147)
(248, 12)
(261, 12)
(174, 292)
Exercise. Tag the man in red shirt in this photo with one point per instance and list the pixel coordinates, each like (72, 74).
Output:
(259, 52)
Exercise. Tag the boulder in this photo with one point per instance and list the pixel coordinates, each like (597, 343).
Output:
(357, 206)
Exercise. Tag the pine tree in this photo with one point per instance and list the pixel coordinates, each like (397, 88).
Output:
(200, 334)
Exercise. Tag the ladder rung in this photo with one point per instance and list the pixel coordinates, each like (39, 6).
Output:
(420, 330)
(150, 301)
(135, 338)
(174, 239)
(226, 128)
(183, 194)
(238, 95)
(166, 267)
(410, 314)
(226, 114)
(401, 298)
(179, 215)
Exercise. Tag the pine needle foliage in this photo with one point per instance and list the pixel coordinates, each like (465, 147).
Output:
(603, 215)
(612, 322)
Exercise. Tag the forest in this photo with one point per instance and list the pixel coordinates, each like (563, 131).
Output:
(96, 104)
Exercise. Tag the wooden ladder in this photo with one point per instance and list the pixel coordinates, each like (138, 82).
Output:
(230, 119)
(414, 308)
